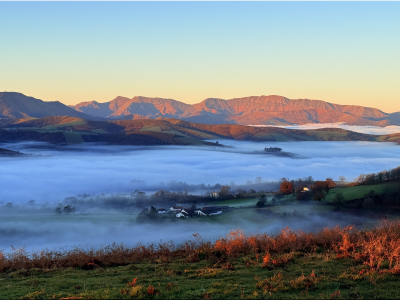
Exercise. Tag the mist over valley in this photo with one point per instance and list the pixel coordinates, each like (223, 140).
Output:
(100, 180)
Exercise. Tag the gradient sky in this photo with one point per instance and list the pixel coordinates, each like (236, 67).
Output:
(341, 52)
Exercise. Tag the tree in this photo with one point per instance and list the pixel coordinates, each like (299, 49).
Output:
(286, 187)
(68, 209)
(319, 186)
(31, 203)
(318, 196)
(342, 179)
(152, 212)
(240, 193)
(260, 203)
(330, 184)
(262, 200)
(339, 199)
(225, 191)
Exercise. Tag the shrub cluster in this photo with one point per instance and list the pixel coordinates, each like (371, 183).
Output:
(378, 248)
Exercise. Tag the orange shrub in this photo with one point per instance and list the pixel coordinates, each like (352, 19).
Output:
(373, 248)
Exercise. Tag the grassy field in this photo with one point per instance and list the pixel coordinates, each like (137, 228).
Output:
(307, 276)
(236, 202)
(331, 264)
(73, 137)
(356, 192)
(329, 135)
(151, 128)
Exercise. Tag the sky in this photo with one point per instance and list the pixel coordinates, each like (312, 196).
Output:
(340, 52)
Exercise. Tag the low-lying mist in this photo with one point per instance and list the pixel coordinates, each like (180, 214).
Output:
(377, 130)
(92, 170)
(121, 169)
(36, 232)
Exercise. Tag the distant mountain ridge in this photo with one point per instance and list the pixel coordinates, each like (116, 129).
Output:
(16, 105)
(125, 107)
(254, 110)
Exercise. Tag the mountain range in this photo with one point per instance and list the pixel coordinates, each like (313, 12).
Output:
(254, 110)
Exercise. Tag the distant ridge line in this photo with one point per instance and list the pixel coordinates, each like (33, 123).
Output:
(252, 110)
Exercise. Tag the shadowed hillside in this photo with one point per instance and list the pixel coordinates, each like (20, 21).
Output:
(164, 132)
(9, 153)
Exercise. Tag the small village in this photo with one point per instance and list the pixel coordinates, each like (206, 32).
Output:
(181, 212)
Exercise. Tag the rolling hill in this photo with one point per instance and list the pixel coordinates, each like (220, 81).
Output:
(166, 131)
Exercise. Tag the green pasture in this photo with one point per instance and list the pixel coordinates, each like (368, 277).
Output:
(73, 137)
(356, 192)
(329, 135)
(151, 128)
(190, 141)
(311, 207)
(236, 202)
(174, 132)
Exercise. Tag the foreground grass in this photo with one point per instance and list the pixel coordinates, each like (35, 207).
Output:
(311, 275)
(332, 263)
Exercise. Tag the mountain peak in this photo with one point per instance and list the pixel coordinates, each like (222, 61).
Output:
(16, 105)
(251, 110)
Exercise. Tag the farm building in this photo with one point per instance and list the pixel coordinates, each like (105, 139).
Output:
(214, 195)
(175, 208)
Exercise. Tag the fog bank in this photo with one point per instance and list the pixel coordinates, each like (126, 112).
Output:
(122, 169)
(93, 231)
(361, 129)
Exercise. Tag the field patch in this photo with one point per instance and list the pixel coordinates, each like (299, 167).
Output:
(151, 128)
(73, 123)
(356, 192)
(236, 202)
(73, 137)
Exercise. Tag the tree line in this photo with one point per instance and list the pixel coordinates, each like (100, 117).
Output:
(377, 178)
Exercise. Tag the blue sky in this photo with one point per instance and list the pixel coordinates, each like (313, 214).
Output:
(342, 52)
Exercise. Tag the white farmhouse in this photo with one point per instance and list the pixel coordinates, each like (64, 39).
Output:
(199, 213)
